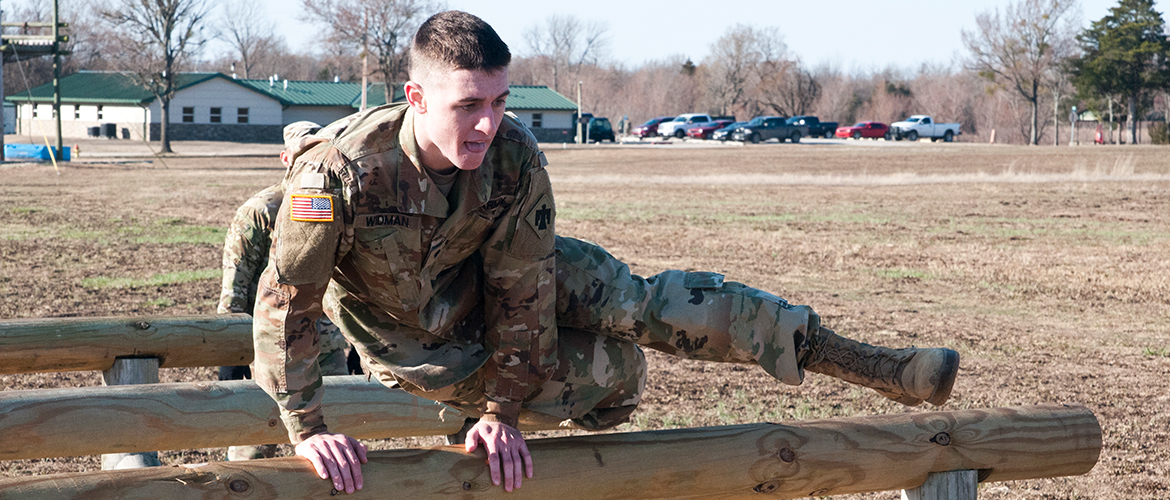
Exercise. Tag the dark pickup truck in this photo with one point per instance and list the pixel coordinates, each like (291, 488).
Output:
(816, 127)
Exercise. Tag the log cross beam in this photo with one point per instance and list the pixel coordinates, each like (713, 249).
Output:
(809, 458)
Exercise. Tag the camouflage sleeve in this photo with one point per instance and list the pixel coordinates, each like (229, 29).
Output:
(244, 250)
(519, 296)
(306, 242)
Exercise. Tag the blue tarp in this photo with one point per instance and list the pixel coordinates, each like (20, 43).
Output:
(30, 152)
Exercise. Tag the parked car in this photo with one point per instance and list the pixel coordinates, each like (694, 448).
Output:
(724, 133)
(762, 128)
(600, 130)
(650, 128)
(677, 126)
(923, 126)
(704, 130)
(816, 127)
(868, 130)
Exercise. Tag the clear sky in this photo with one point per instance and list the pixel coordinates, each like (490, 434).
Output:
(851, 34)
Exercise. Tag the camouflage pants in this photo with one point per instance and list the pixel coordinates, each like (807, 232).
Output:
(604, 313)
(332, 361)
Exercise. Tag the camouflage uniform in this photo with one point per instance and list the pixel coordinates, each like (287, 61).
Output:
(470, 299)
(245, 255)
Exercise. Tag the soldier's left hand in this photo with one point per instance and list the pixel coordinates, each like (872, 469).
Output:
(506, 449)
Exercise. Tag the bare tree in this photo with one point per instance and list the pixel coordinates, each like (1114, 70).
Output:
(564, 45)
(382, 26)
(159, 36)
(1019, 49)
(731, 68)
(249, 31)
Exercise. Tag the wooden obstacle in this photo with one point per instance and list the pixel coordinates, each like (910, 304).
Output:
(808, 458)
(76, 344)
(47, 423)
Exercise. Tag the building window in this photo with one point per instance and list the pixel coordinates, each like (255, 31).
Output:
(241, 115)
(216, 115)
(188, 114)
(77, 112)
(537, 120)
(101, 113)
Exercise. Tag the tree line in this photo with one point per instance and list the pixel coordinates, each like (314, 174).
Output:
(1025, 66)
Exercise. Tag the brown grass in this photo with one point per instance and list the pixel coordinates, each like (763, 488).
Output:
(1047, 268)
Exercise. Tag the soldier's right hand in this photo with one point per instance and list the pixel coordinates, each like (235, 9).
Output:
(336, 456)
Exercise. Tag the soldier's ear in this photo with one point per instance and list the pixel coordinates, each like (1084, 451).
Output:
(414, 96)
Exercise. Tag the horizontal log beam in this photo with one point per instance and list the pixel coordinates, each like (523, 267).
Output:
(811, 458)
(76, 344)
(46, 423)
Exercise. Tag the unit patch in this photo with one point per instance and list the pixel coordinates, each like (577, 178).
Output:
(541, 216)
(311, 208)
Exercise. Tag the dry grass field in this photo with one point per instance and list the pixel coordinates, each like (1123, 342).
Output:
(1047, 268)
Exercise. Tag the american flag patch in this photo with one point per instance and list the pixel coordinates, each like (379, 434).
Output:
(312, 208)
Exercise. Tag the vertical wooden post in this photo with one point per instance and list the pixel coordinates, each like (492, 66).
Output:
(954, 485)
(130, 371)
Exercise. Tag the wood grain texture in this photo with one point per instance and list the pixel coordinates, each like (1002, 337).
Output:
(47, 423)
(131, 371)
(813, 458)
(76, 344)
(955, 485)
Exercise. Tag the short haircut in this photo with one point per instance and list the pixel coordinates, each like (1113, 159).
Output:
(456, 40)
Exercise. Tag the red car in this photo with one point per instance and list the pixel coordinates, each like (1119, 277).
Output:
(869, 130)
(704, 130)
(650, 128)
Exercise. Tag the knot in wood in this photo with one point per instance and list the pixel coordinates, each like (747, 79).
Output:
(941, 439)
(142, 325)
(466, 486)
(272, 422)
(239, 485)
(787, 455)
(767, 487)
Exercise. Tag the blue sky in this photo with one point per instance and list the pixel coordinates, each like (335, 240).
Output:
(851, 34)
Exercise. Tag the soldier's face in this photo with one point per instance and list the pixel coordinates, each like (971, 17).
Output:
(457, 115)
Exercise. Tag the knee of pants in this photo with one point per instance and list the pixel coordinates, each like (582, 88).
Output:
(599, 419)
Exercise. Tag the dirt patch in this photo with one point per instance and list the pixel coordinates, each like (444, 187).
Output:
(1048, 269)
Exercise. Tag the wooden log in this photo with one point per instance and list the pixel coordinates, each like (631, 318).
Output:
(76, 344)
(812, 458)
(47, 423)
(131, 371)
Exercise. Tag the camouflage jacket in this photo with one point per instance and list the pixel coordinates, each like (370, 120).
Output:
(465, 281)
(245, 255)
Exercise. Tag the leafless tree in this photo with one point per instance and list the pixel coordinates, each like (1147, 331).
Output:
(249, 31)
(1021, 47)
(731, 69)
(564, 45)
(158, 36)
(384, 27)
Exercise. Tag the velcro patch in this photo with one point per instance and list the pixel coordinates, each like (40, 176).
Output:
(541, 216)
(311, 208)
(312, 180)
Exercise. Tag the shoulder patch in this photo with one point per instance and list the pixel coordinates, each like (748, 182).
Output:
(312, 180)
(541, 216)
(311, 207)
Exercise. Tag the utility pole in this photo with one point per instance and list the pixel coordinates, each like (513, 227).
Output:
(580, 137)
(2, 129)
(365, 69)
(57, 75)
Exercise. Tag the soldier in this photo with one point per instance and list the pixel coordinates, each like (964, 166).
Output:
(426, 231)
(245, 255)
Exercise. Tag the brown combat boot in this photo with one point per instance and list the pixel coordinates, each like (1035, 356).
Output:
(908, 376)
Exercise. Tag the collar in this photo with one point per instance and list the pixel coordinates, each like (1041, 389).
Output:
(418, 194)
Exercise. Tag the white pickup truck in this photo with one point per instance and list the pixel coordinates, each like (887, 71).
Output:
(919, 126)
(678, 126)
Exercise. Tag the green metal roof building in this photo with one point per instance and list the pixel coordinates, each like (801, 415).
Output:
(214, 106)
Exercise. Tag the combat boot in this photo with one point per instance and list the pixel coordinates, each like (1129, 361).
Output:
(908, 376)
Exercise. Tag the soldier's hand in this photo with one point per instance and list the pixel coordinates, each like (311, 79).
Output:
(506, 450)
(336, 456)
